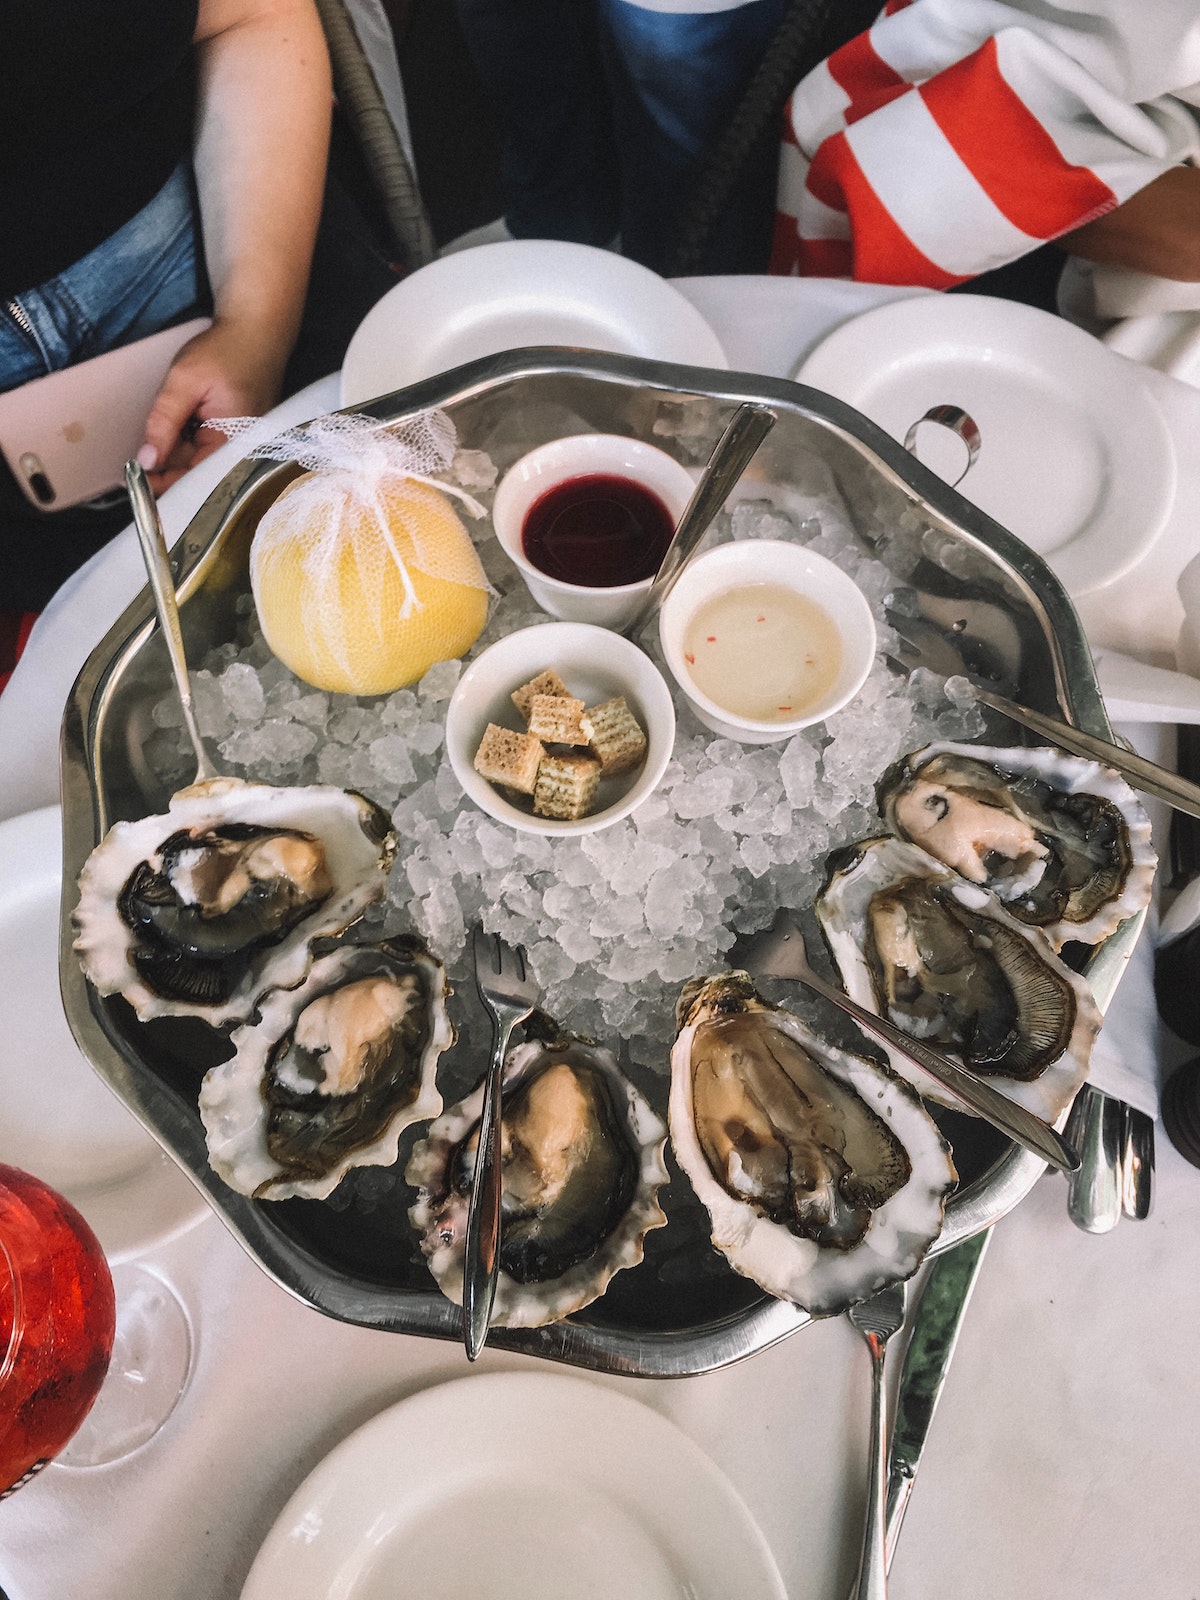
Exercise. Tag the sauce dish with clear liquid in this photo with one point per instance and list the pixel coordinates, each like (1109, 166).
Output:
(765, 637)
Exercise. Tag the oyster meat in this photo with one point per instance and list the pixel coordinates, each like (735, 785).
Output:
(581, 1165)
(943, 960)
(198, 912)
(331, 1073)
(1064, 842)
(823, 1175)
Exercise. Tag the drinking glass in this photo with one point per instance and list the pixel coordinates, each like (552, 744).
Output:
(57, 1322)
(92, 1362)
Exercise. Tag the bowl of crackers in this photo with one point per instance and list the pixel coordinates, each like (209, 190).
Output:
(562, 728)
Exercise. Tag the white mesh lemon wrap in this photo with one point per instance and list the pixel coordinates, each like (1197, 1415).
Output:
(362, 572)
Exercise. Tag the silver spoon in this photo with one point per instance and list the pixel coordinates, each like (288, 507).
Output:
(745, 431)
(158, 568)
(1094, 1193)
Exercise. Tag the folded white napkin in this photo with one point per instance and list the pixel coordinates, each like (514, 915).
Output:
(1152, 320)
(1137, 692)
(1121, 292)
(1126, 1058)
(1166, 340)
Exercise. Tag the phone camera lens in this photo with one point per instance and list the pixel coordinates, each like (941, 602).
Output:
(35, 477)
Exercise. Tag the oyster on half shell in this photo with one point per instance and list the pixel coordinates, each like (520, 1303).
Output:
(1063, 841)
(943, 960)
(581, 1166)
(823, 1175)
(331, 1073)
(198, 912)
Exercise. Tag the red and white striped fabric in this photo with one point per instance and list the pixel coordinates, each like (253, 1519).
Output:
(956, 135)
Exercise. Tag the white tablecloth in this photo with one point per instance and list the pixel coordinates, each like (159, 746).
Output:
(1065, 1460)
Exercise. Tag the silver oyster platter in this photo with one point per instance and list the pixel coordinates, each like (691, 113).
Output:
(994, 603)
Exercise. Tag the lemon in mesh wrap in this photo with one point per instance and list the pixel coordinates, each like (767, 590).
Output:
(362, 582)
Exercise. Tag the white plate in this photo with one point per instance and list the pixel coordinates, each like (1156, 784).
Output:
(58, 1119)
(1076, 457)
(527, 292)
(516, 1486)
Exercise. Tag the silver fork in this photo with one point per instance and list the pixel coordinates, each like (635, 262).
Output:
(509, 994)
(779, 952)
(877, 1319)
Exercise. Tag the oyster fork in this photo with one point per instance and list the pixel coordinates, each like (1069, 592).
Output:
(508, 994)
(923, 644)
(877, 1319)
(779, 952)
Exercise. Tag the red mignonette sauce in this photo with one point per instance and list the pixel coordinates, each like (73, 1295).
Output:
(599, 531)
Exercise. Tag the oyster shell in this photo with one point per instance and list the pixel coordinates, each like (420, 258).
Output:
(199, 911)
(944, 961)
(581, 1165)
(1063, 841)
(331, 1073)
(824, 1176)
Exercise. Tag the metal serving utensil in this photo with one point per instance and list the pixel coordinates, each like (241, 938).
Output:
(745, 431)
(162, 584)
(877, 1319)
(779, 952)
(1137, 1163)
(509, 994)
(1095, 1194)
(935, 1327)
(922, 645)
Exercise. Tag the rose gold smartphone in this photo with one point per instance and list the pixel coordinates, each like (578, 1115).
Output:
(67, 436)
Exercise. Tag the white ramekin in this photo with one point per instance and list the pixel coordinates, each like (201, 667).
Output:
(777, 561)
(595, 664)
(528, 479)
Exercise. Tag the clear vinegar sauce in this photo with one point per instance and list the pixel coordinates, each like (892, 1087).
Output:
(762, 651)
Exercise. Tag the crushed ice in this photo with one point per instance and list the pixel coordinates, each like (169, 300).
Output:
(615, 921)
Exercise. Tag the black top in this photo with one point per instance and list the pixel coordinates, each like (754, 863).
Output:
(97, 99)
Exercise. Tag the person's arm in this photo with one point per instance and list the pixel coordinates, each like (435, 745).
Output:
(1157, 230)
(262, 138)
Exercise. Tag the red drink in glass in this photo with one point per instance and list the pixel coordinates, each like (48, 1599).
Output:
(57, 1319)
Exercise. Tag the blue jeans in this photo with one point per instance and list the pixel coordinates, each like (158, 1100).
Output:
(609, 110)
(675, 78)
(142, 278)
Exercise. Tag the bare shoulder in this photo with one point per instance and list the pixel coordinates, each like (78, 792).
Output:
(220, 16)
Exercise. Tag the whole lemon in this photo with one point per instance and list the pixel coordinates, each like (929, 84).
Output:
(362, 585)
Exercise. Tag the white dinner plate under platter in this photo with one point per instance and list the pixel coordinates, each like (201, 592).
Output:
(526, 292)
(58, 1119)
(1076, 459)
(516, 1486)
